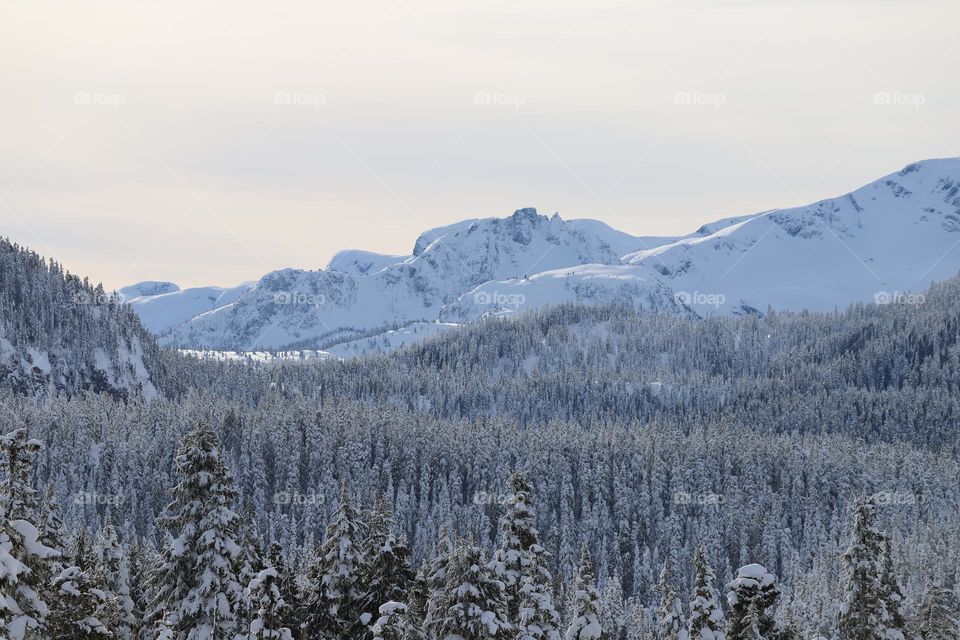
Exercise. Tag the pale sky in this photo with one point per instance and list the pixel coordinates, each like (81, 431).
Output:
(209, 142)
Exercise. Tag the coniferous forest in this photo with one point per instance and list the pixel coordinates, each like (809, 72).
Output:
(577, 473)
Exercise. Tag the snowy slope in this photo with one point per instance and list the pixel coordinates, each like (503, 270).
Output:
(890, 237)
(361, 263)
(161, 312)
(887, 238)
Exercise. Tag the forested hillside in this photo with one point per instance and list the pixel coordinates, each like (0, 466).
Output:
(60, 332)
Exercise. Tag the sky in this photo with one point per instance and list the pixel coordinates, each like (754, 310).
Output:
(207, 142)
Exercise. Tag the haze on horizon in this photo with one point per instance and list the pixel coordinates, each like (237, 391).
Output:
(208, 142)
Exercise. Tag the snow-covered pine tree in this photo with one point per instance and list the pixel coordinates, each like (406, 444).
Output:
(82, 605)
(416, 612)
(53, 535)
(197, 588)
(268, 610)
(435, 577)
(750, 596)
(938, 617)
(24, 560)
(511, 561)
(393, 622)
(538, 618)
(287, 576)
(670, 618)
(249, 563)
(893, 594)
(864, 614)
(114, 573)
(472, 605)
(706, 611)
(387, 574)
(332, 601)
(585, 622)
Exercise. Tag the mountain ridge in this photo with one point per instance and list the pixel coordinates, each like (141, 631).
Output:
(888, 236)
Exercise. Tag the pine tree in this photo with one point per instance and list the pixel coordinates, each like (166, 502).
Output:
(267, 607)
(472, 605)
(750, 596)
(865, 613)
(706, 612)
(893, 595)
(537, 617)
(332, 603)
(386, 572)
(197, 586)
(416, 612)
(289, 589)
(670, 613)
(249, 563)
(114, 573)
(585, 623)
(938, 617)
(435, 577)
(393, 622)
(24, 559)
(82, 607)
(518, 533)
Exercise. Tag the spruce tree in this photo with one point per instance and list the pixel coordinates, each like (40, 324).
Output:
(268, 609)
(518, 533)
(938, 617)
(893, 595)
(472, 605)
(870, 611)
(82, 607)
(416, 613)
(387, 574)
(751, 595)
(585, 623)
(537, 617)
(114, 573)
(670, 613)
(249, 563)
(332, 601)
(706, 612)
(198, 589)
(393, 622)
(24, 560)
(435, 576)
(287, 584)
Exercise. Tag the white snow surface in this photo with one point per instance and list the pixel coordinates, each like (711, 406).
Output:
(879, 243)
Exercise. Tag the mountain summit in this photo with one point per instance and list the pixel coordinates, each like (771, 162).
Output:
(887, 238)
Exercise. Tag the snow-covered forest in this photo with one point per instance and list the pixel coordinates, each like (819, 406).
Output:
(574, 473)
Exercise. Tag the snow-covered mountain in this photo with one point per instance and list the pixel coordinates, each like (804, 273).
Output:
(879, 242)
